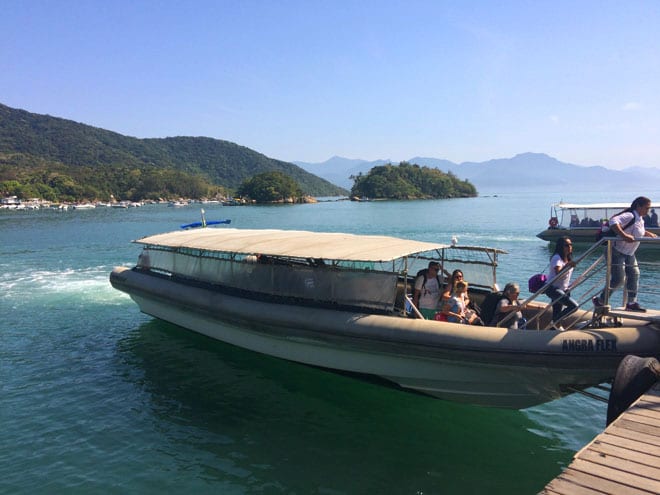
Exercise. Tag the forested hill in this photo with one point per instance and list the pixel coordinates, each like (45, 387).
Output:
(35, 141)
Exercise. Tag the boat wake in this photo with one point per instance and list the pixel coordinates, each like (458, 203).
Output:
(54, 287)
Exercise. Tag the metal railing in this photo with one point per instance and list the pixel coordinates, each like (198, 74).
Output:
(591, 281)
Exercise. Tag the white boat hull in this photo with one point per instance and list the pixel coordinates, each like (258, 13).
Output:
(479, 365)
(588, 236)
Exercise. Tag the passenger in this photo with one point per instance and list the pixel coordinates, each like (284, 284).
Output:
(451, 286)
(456, 309)
(654, 218)
(628, 225)
(557, 290)
(647, 221)
(509, 303)
(427, 291)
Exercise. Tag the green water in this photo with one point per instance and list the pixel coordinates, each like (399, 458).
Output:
(99, 398)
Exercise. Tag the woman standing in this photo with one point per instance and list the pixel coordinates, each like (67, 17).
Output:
(629, 226)
(561, 261)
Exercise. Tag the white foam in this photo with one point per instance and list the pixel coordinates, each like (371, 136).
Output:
(90, 284)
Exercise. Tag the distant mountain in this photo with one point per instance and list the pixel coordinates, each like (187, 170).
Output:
(29, 140)
(338, 170)
(523, 172)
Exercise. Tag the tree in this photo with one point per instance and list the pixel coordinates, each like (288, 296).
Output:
(270, 187)
(410, 181)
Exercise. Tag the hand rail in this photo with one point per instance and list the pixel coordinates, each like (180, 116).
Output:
(563, 273)
(587, 274)
(414, 308)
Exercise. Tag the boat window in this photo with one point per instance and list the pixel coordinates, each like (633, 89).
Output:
(283, 277)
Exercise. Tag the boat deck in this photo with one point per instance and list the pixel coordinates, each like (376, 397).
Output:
(650, 315)
(624, 459)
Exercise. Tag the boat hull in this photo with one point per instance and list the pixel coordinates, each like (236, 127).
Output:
(479, 365)
(587, 235)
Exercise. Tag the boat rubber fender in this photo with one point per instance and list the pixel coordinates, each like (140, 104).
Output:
(634, 376)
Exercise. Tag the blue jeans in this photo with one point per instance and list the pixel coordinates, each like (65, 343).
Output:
(559, 300)
(624, 264)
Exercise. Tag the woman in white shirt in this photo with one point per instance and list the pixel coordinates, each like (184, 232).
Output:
(629, 226)
(562, 261)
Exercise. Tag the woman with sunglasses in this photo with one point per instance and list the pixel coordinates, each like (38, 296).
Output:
(561, 261)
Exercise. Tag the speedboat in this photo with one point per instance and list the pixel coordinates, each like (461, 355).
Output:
(583, 223)
(342, 302)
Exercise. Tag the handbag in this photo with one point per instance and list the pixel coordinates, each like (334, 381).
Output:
(536, 282)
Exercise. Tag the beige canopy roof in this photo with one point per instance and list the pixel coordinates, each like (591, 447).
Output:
(292, 243)
(592, 206)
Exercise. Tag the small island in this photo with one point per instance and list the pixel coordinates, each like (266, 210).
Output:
(410, 181)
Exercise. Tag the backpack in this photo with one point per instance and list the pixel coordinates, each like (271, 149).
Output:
(607, 233)
(424, 273)
(489, 305)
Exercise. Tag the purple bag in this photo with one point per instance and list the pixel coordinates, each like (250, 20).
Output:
(536, 282)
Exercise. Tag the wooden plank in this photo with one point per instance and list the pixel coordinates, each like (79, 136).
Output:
(643, 414)
(652, 397)
(564, 486)
(623, 460)
(624, 422)
(625, 443)
(649, 399)
(634, 455)
(654, 391)
(614, 429)
(626, 479)
(613, 487)
(624, 465)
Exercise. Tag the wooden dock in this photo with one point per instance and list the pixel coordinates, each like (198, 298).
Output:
(624, 459)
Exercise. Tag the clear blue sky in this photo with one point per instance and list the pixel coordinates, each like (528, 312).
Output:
(306, 80)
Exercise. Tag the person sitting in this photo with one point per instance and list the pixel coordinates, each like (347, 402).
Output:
(451, 287)
(456, 310)
(509, 304)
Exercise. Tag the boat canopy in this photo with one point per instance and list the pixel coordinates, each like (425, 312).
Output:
(592, 206)
(293, 244)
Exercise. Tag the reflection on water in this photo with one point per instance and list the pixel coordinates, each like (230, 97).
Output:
(269, 422)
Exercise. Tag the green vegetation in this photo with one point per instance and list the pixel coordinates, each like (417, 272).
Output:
(408, 181)
(270, 187)
(61, 160)
(58, 182)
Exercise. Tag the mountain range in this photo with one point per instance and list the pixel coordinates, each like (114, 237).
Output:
(523, 172)
(35, 141)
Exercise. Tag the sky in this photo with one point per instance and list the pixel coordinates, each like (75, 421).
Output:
(307, 80)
